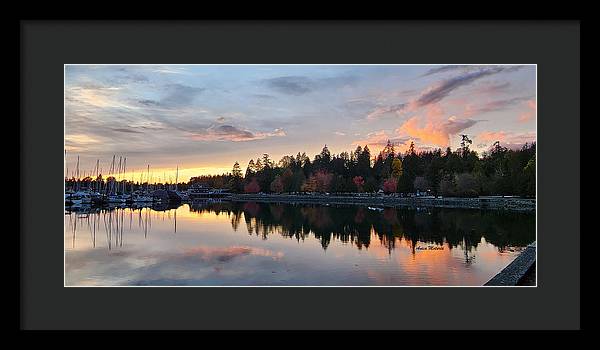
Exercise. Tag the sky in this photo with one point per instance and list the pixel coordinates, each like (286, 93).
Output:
(203, 118)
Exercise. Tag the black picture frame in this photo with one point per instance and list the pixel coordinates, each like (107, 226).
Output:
(45, 46)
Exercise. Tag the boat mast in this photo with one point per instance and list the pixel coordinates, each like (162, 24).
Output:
(77, 172)
(112, 170)
(124, 176)
(176, 177)
(118, 175)
(97, 174)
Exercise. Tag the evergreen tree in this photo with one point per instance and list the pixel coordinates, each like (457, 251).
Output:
(499, 171)
(250, 169)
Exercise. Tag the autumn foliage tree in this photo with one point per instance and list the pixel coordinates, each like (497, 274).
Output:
(252, 186)
(277, 185)
(390, 185)
(498, 171)
(396, 168)
(359, 181)
(287, 180)
(310, 185)
(323, 181)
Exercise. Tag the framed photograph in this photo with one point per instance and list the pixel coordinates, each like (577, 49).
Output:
(336, 161)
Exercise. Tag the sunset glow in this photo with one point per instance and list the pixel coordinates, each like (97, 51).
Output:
(203, 118)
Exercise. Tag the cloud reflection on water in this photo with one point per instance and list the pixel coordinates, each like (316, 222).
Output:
(329, 246)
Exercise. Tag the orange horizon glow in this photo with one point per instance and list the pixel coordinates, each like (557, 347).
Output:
(205, 117)
(162, 175)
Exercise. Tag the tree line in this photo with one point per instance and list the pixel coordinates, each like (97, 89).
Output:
(462, 173)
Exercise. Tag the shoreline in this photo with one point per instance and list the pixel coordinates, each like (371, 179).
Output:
(497, 203)
(521, 271)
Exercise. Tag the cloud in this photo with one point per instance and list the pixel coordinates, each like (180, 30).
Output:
(148, 124)
(148, 103)
(81, 139)
(130, 78)
(300, 85)
(169, 70)
(264, 96)
(179, 94)
(152, 120)
(497, 105)
(92, 95)
(78, 142)
(467, 68)
(190, 266)
(440, 90)
(492, 87)
(377, 140)
(232, 133)
(228, 253)
(434, 131)
(491, 136)
(126, 130)
(507, 139)
(448, 68)
(384, 110)
(337, 81)
(122, 75)
(291, 85)
(437, 130)
(530, 114)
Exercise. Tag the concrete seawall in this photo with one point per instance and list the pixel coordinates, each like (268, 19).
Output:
(512, 274)
(517, 204)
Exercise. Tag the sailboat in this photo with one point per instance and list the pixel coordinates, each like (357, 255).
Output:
(114, 197)
(144, 197)
(183, 195)
(78, 196)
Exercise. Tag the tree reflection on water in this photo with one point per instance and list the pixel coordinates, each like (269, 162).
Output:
(349, 224)
(344, 245)
(355, 224)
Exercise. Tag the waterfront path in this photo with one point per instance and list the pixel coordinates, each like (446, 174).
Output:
(507, 203)
(519, 271)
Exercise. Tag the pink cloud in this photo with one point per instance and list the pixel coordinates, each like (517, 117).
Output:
(436, 130)
(378, 112)
(229, 253)
(232, 133)
(530, 114)
(491, 136)
(491, 87)
(377, 140)
(507, 139)
(493, 106)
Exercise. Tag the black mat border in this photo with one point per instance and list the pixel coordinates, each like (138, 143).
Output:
(46, 46)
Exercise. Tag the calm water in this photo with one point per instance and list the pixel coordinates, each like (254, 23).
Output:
(229, 243)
